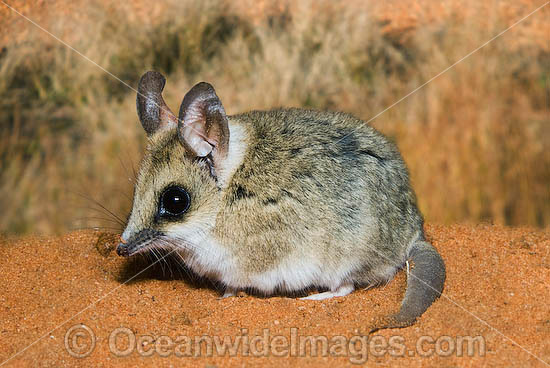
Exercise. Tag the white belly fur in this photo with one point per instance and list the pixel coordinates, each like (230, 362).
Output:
(296, 272)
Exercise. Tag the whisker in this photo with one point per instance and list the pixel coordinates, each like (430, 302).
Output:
(159, 257)
(97, 218)
(97, 203)
(130, 159)
(178, 258)
(94, 228)
(101, 219)
(125, 170)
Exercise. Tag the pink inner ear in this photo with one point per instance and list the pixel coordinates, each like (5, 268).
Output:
(194, 130)
(196, 141)
(203, 126)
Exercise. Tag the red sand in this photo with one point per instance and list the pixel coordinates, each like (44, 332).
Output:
(497, 288)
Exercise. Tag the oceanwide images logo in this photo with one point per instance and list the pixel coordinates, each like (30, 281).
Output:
(80, 342)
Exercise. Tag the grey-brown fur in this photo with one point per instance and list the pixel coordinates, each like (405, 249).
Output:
(319, 189)
(329, 171)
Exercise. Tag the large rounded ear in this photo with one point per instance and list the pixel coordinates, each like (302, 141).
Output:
(203, 126)
(153, 112)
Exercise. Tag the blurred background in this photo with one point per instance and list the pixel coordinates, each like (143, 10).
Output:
(476, 139)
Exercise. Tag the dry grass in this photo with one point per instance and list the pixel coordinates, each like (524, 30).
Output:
(476, 139)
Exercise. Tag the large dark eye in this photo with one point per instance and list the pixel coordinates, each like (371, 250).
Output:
(174, 201)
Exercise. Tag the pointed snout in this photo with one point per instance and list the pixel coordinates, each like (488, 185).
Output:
(131, 244)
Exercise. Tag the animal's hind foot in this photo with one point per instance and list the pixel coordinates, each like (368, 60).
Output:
(342, 290)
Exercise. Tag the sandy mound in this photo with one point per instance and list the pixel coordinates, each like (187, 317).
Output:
(58, 290)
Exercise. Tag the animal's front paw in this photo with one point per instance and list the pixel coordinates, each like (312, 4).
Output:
(228, 293)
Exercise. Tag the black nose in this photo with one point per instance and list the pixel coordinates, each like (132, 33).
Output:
(122, 249)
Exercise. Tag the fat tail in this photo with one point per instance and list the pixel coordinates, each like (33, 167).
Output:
(424, 285)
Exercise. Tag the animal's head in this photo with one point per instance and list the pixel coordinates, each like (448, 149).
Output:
(177, 193)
